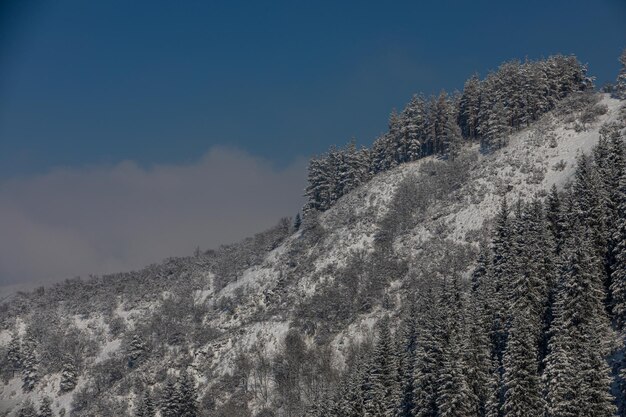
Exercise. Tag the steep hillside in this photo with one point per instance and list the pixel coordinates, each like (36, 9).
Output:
(93, 346)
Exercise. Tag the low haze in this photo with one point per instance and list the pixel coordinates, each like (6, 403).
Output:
(114, 218)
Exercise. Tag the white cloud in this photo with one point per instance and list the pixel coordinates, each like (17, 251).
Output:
(73, 222)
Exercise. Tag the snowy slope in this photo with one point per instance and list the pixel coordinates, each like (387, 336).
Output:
(263, 299)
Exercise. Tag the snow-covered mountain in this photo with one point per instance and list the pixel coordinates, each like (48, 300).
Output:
(96, 344)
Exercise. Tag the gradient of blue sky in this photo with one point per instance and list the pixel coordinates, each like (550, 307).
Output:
(93, 82)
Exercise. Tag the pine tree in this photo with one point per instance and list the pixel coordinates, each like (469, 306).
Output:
(351, 394)
(620, 379)
(495, 298)
(14, 352)
(428, 359)
(169, 405)
(187, 396)
(45, 409)
(146, 407)
(27, 409)
(454, 395)
(482, 266)
(469, 108)
(618, 275)
(405, 348)
(136, 351)
(531, 274)
(496, 128)
(323, 187)
(555, 218)
(69, 375)
(609, 164)
(535, 87)
(297, 222)
(521, 380)
(620, 84)
(499, 274)
(413, 126)
(384, 393)
(453, 138)
(577, 374)
(477, 353)
(590, 211)
(30, 364)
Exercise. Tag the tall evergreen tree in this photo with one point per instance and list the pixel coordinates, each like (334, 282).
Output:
(620, 84)
(618, 275)
(523, 391)
(352, 391)
(469, 108)
(297, 222)
(169, 404)
(30, 364)
(555, 218)
(577, 373)
(146, 407)
(384, 393)
(136, 351)
(478, 350)
(499, 274)
(428, 359)
(187, 395)
(14, 352)
(45, 409)
(406, 346)
(413, 126)
(69, 374)
(27, 409)
(454, 395)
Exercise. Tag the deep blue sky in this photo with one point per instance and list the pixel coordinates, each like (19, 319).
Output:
(92, 82)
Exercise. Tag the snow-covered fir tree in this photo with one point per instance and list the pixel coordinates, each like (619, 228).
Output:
(428, 360)
(27, 409)
(69, 375)
(14, 352)
(146, 406)
(488, 110)
(577, 374)
(618, 274)
(454, 395)
(620, 83)
(29, 364)
(136, 351)
(384, 392)
(522, 384)
(169, 404)
(469, 108)
(187, 396)
(45, 409)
